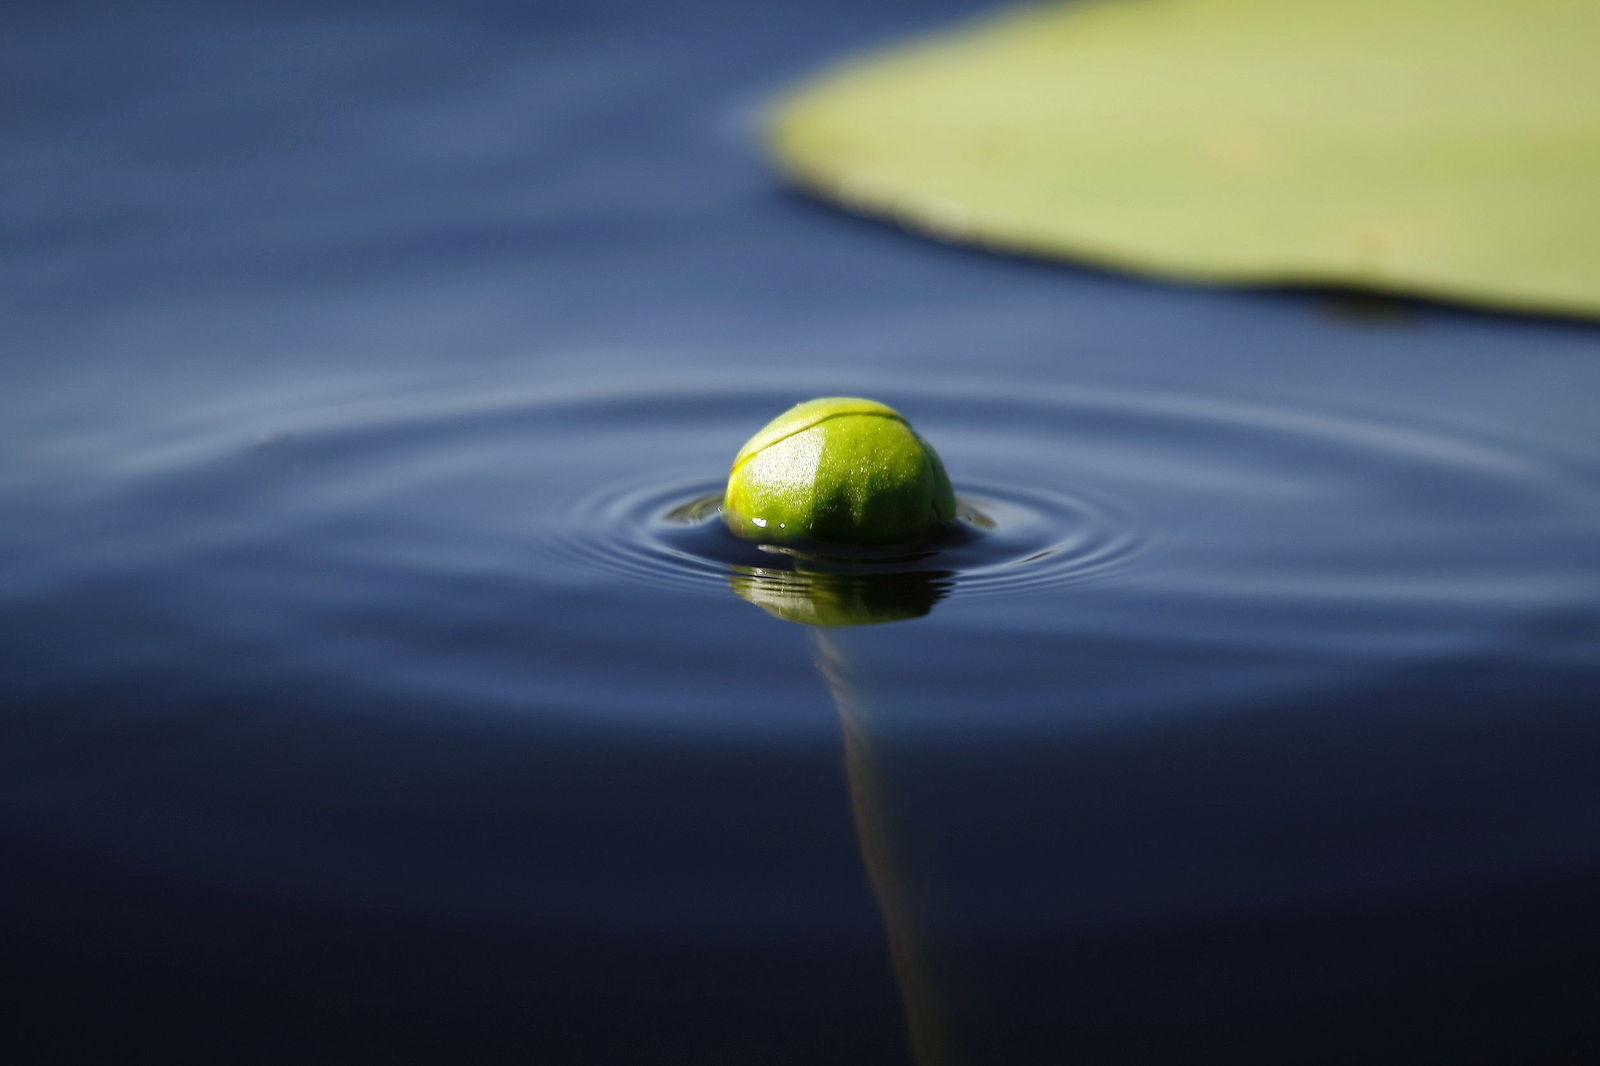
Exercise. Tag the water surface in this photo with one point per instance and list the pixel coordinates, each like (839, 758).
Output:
(366, 701)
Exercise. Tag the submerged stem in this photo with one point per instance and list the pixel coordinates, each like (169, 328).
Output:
(926, 1020)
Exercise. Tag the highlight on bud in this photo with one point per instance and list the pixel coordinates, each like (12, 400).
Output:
(837, 470)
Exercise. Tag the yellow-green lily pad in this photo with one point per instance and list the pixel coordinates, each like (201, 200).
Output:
(1444, 148)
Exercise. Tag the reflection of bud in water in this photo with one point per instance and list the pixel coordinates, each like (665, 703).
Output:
(841, 599)
(838, 470)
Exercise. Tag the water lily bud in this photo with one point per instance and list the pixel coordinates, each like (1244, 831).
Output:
(838, 470)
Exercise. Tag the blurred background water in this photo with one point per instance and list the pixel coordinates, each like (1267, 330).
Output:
(364, 702)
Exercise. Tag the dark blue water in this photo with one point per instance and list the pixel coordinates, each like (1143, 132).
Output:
(374, 693)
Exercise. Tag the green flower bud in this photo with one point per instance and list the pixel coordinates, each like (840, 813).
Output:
(838, 470)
